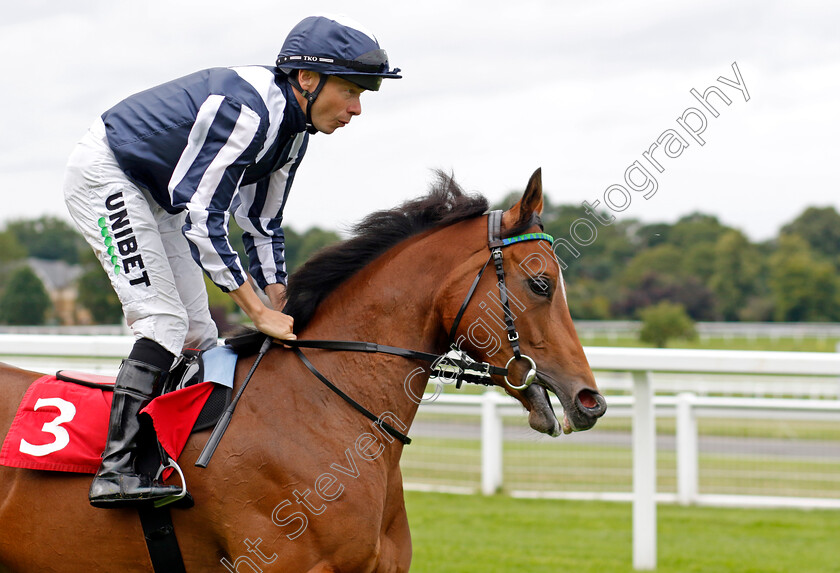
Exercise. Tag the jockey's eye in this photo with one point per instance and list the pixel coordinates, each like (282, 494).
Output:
(540, 285)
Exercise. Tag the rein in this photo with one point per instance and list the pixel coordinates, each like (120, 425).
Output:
(468, 370)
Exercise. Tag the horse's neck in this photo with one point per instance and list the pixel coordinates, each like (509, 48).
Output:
(391, 302)
(378, 309)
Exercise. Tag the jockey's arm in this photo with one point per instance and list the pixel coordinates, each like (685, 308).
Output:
(267, 320)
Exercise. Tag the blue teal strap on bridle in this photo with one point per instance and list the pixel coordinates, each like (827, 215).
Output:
(528, 237)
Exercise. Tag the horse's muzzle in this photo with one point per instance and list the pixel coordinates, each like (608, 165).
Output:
(582, 406)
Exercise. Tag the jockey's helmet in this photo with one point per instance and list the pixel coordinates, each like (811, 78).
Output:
(339, 46)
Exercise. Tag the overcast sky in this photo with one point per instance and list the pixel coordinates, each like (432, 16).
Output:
(491, 91)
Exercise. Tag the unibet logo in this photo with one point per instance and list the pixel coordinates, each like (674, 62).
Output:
(122, 247)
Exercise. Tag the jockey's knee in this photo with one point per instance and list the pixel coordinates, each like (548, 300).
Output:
(202, 334)
(169, 330)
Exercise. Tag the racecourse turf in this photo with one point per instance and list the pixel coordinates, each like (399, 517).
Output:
(471, 533)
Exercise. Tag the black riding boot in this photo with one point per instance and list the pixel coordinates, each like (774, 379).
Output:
(118, 483)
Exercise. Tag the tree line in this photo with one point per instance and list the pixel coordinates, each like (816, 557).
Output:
(712, 271)
(23, 297)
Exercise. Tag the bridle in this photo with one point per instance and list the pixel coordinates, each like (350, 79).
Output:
(496, 243)
(467, 369)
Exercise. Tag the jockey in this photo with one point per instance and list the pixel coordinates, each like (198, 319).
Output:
(154, 182)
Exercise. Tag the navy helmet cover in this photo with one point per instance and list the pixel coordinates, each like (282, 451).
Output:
(336, 45)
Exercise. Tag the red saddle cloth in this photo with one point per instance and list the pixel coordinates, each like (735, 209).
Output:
(62, 426)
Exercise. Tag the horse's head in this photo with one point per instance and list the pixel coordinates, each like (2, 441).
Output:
(547, 356)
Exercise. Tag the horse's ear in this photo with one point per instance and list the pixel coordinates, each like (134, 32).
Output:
(531, 202)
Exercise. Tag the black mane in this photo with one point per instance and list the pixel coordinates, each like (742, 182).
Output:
(445, 204)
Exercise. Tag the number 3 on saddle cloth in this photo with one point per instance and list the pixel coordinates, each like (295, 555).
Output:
(62, 421)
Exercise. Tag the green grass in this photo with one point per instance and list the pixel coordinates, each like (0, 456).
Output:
(733, 427)
(454, 534)
(719, 343)
(737, 428)
(565, 466)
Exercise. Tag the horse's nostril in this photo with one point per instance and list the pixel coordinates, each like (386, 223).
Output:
(586, 399)
(591, 403)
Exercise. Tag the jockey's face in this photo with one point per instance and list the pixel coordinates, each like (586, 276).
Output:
(337, 103)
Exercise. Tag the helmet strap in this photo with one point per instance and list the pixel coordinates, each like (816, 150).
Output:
(310, 97)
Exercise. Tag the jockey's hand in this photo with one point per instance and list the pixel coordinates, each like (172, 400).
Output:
(275, 324)
(268, 321)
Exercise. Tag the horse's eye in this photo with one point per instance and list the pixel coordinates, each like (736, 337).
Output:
(540, 286)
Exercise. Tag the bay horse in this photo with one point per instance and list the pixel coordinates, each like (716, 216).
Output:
(301, 482)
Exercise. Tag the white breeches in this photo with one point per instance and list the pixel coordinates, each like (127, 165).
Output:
(140, 246)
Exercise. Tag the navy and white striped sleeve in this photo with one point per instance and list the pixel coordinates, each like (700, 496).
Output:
(260, 214)
(224, 139)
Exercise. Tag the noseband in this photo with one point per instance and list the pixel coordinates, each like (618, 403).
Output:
(496, 244)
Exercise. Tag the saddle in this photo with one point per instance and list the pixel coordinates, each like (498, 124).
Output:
(196, 393)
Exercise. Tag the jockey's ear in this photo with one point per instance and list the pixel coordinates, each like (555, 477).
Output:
(531, 202)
